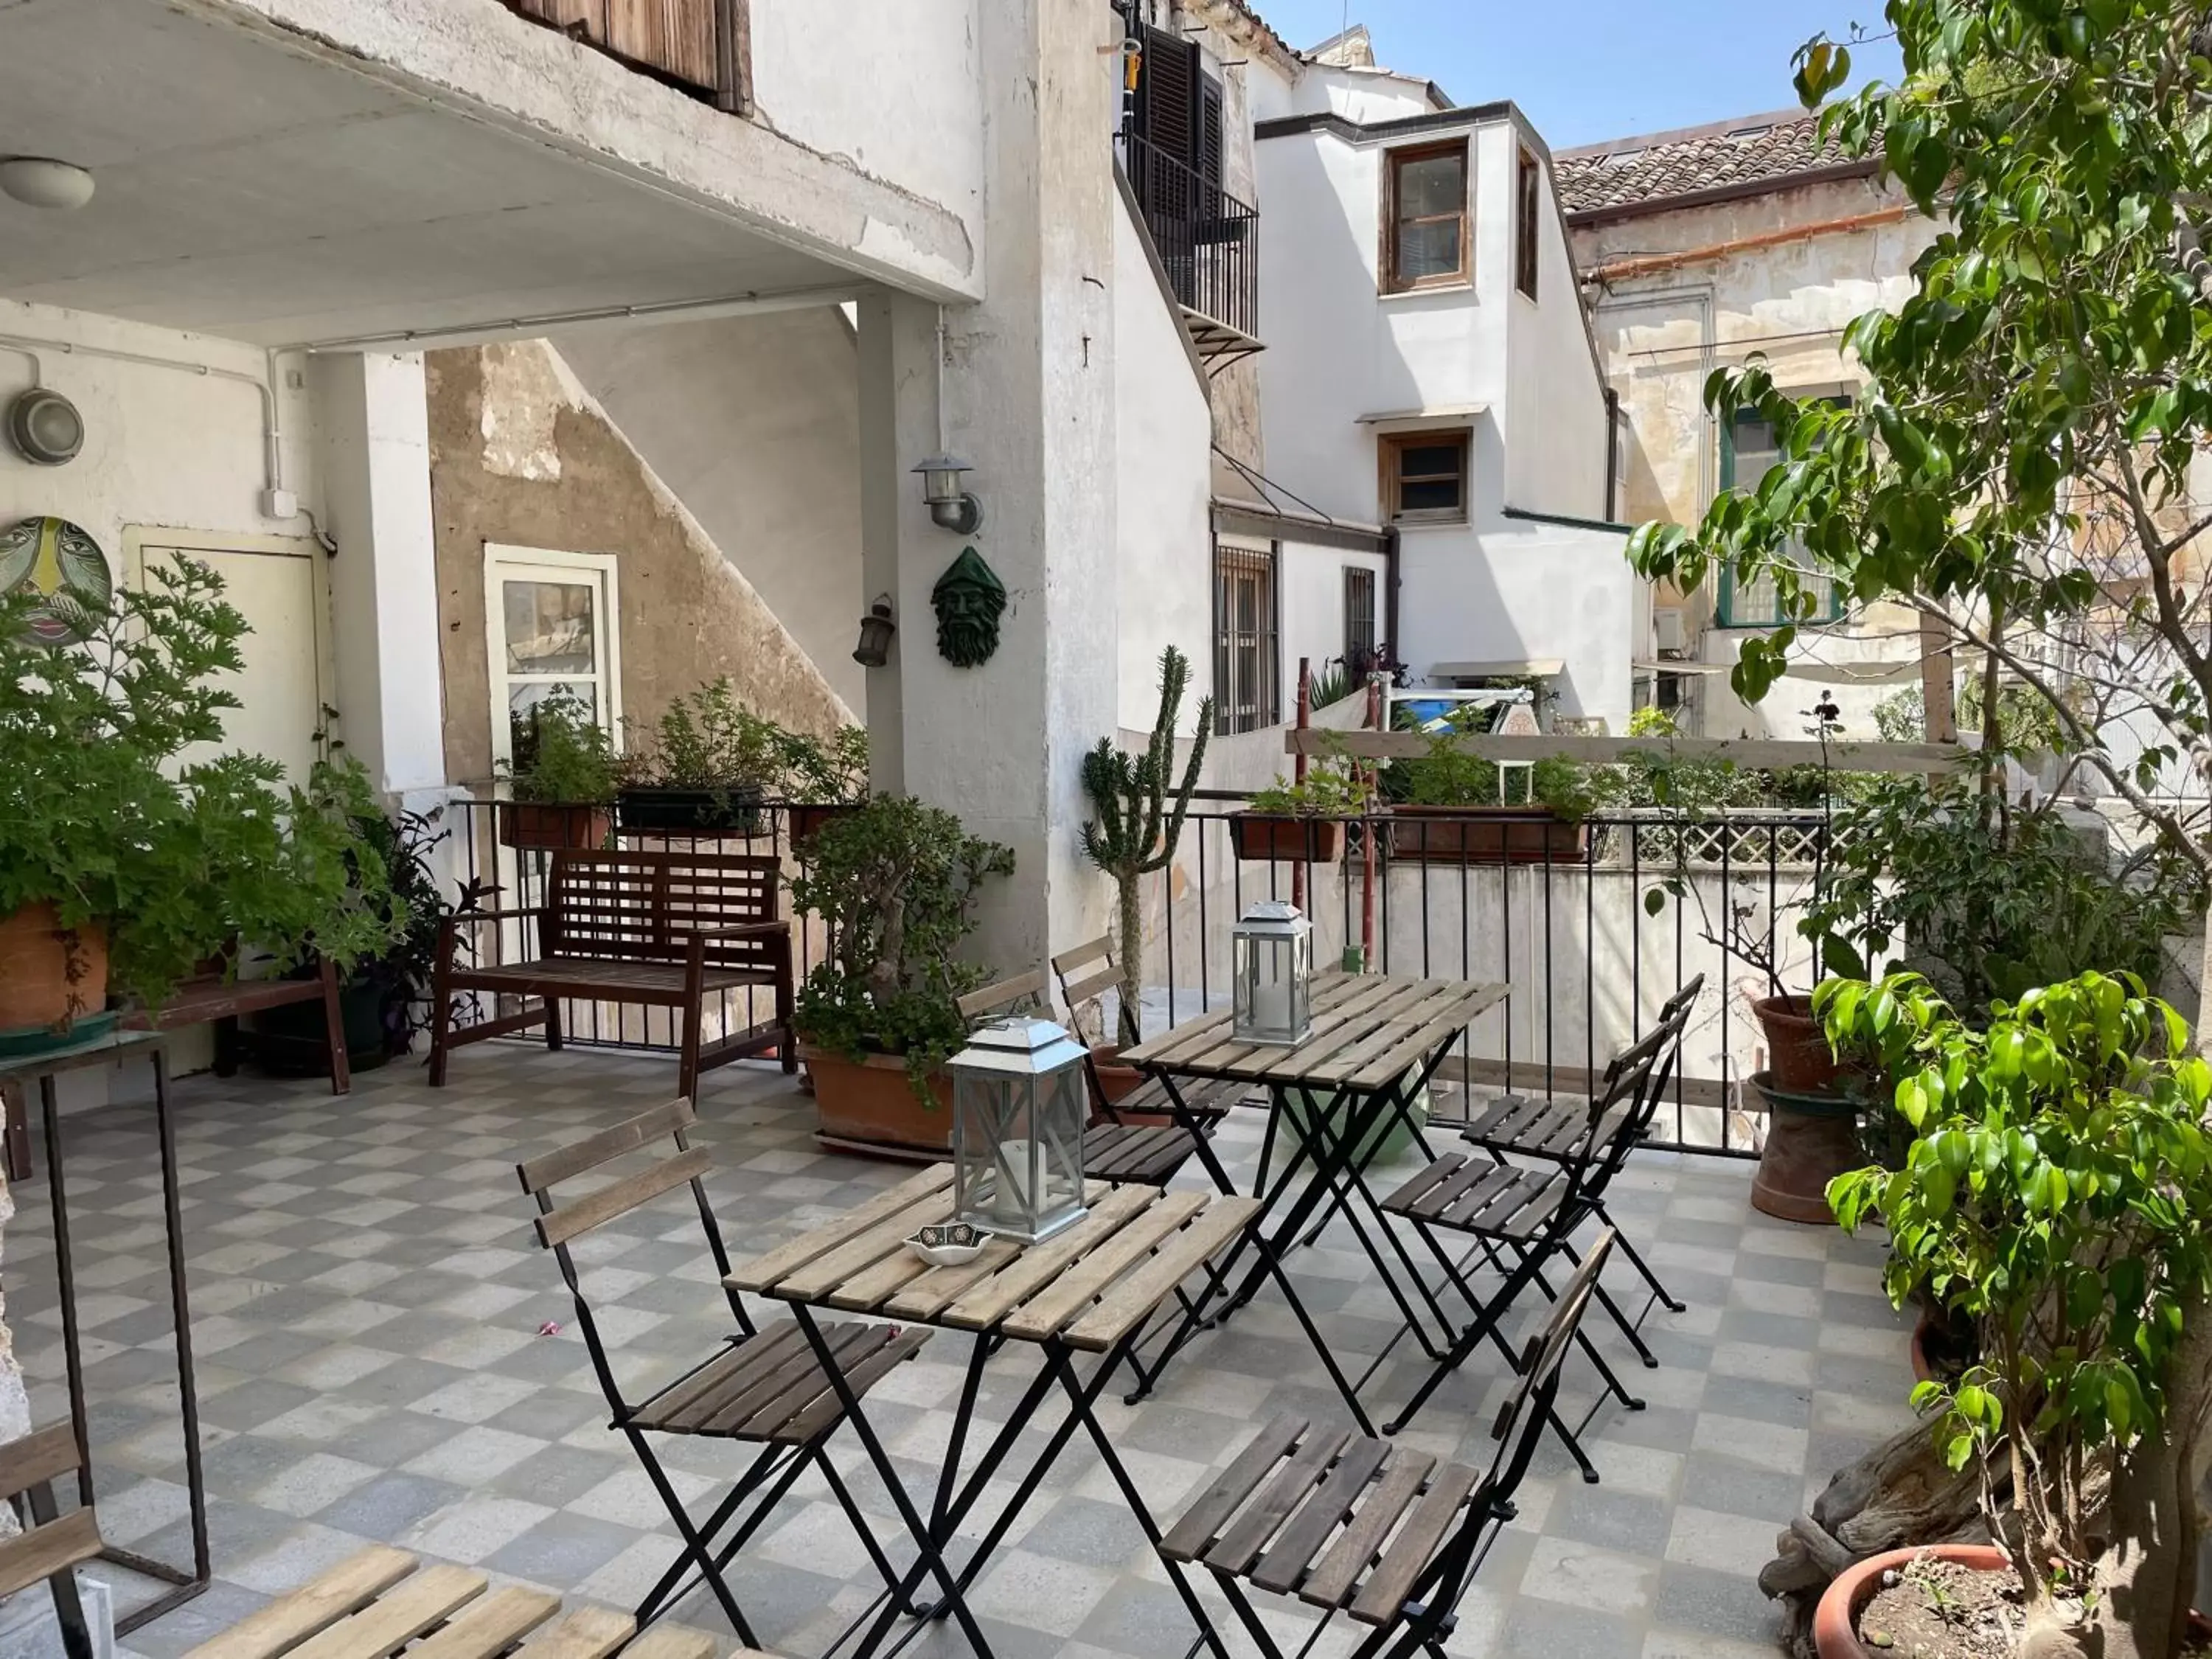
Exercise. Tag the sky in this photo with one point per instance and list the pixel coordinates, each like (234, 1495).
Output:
(1584, 71)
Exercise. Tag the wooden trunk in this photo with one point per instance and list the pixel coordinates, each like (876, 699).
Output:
(1262, 837)
(870, 1102)
(1502, 835)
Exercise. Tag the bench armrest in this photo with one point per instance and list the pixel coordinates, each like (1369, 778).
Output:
(517, 914)
(738, 930)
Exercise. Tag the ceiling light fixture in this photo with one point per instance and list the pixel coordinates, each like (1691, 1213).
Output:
(40, 181)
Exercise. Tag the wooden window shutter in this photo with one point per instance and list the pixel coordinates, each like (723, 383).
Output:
(1167, 93)
(1206, 163)
(677, 37)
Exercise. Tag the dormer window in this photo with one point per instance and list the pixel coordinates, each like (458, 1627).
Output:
(1425, 219)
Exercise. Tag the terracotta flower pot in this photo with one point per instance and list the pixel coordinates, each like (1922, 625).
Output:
(1501, 835)
(1812, 1137)
(1797, 1052)
(52, 977)
(809, 821)
(868, 1102)
(1264, 837)
(1836, 1619)
(552, 826)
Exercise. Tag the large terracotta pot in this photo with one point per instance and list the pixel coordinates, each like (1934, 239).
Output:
(50, 977)
(1836, 1619)
(552, 827)
(1115, 1080)
(868, 1102)
(1812, 1138)
(1797, 1054)
(1264, 837)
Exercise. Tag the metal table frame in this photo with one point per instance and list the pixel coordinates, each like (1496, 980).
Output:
(43, 1070)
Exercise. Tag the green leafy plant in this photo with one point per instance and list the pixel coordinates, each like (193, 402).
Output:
(393, 876)
(1140, 818)
(1333, 684)
(823, 772)
(2058, 1193)
(709, 740)
(895, 885)
(563, 755)
(1330, 789)
(101, 817)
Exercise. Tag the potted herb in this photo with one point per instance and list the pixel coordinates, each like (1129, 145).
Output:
(2058, 1195)
(1140, 818)
(122, 869)
(708, 766)
(894, 885)
(562, 778)
(821, 779)
(1451, 806)
(1305, 820)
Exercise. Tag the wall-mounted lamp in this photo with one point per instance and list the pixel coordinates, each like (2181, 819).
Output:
(950, 506)
(876, 628)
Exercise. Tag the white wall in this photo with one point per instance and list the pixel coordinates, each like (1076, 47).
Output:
(1556, 425)
(1358, 93)
(1162, 487)
(754, 423)
(1525, 593)
(1311, 607)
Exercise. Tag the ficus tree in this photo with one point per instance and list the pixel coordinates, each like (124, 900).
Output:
(2058, 1193)
(2016, 469)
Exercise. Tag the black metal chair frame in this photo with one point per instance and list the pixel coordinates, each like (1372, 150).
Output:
(1675, 1010)
(780, 1463)
(1629, 1095)
(1426, 1614)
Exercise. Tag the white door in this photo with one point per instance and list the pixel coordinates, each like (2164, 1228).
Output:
(281, 585)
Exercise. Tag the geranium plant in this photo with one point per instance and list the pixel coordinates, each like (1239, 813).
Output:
(2058, 1193)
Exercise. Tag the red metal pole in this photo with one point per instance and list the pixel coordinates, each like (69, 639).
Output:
(1367, 841)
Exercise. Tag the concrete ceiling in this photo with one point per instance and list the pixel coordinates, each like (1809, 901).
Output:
(249, 188)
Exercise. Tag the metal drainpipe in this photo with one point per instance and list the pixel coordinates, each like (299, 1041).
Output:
(1612, 449)
(1390, 593)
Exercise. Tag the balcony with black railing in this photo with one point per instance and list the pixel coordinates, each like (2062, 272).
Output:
(1208, 243)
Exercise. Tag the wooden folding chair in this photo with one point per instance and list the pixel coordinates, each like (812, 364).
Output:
(53, 1545)
(1388, 1535)
(765, 1389)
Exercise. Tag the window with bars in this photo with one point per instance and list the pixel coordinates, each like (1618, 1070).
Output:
(1247, 648)
(1425, 222)
(1359, 621)
(1748, 453)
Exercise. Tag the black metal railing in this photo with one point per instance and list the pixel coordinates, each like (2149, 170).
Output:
(1565, 914)
(1208, 240)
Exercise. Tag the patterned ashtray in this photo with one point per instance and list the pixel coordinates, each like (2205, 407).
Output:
(947, 1243)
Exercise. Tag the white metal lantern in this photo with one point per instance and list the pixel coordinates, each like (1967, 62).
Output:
(1020, 1103)
(1273, 969)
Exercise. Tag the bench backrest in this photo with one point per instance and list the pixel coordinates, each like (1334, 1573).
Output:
(633, 906)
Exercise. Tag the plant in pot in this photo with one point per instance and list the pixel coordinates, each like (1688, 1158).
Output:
(708, 764)
(1450, 805)
(823, 778)
(1303, 819)
(122, 867)
(894, 885)
(2057, 1194)
(1140, 818)
(562, 778)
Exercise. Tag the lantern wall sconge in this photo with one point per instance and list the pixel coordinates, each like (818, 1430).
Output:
(1020, 1103)
(1272, 964)
(876, 628)
(950, 506)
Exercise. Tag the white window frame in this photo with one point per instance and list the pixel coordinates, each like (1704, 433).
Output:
(503, 563)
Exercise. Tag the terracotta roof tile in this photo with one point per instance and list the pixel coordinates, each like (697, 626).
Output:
(1752, 151)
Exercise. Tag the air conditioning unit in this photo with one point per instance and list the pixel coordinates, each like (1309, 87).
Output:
(1669, 631)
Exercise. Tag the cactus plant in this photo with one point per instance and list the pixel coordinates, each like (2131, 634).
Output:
(1140, 818)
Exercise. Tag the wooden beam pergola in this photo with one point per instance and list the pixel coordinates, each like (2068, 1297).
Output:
(1758, 754)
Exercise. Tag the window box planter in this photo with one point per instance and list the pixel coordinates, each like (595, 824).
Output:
(734, 810)
(1502, 835)
(868, 1105)
(1264, 837)
(552, 825)
(808, 822)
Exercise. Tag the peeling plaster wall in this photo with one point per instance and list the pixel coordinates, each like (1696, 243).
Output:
(1661, 333)
(753, 422)
(522, 456)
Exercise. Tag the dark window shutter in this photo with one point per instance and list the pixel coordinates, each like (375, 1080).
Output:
(1167, 93)
(1206, 163)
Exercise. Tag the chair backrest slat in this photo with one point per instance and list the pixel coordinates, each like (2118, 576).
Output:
(596, 1209)
(40, 1456)
(46, 1550)
(571, 1161)
(1083, 954)
(635, 905)
(1004, 997)
(50, 1545)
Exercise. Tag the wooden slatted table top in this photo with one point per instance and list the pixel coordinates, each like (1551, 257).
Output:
(376, 1604)
(1367, 1030)
(1089, 1284)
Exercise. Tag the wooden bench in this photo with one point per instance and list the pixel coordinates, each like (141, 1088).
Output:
(658, 929)
(222, 1000)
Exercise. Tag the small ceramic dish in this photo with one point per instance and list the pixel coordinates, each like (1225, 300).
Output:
(947, 1243)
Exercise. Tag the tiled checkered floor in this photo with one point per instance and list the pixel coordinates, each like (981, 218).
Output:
(368, 1308)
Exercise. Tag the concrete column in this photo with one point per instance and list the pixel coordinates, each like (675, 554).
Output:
(373, 421)
(1027, 397)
